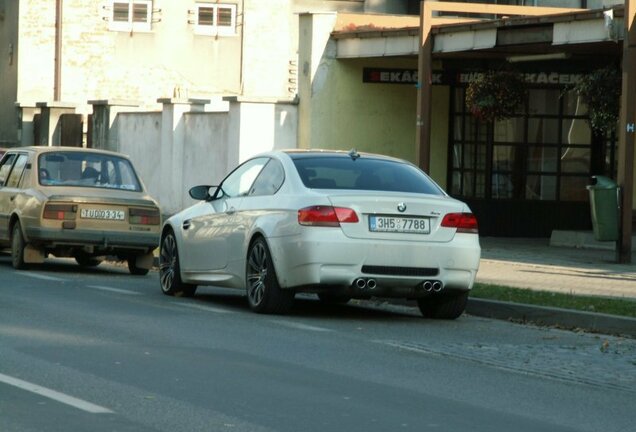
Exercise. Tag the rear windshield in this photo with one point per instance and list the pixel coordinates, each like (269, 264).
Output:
(336, 172)
(86, 169)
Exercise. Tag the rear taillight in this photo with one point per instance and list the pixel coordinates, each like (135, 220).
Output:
(60, 211)
(464, 222)
(144, 216)
(326, 216)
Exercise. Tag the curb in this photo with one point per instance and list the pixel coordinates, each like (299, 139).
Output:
(542, 315)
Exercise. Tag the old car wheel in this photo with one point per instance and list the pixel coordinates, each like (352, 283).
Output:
(333, 299)
(134, 269)
(169, 270)
(443, 307)
(87, 261)
(264, 294)
(17, 247)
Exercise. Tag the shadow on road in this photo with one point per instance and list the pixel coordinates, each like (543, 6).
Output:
(68, 265)
(308, 306)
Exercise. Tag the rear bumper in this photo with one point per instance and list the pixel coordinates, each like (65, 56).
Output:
(107, 240)
(325, 257)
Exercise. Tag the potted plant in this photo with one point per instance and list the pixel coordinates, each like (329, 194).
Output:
(495, 95)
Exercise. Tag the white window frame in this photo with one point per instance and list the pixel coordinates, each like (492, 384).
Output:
(130, 25)
(215, 29)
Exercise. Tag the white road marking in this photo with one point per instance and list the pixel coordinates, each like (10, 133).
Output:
(56, 396)
(203, 308)
(43, 277)
(299, 326)
(115, 290)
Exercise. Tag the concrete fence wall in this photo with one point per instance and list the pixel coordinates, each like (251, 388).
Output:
(189, 142)
(183, 145)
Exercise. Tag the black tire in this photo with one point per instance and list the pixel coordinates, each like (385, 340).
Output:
(443, 307)
(333, 299)
(134, 269)
(87, 261)
(170, 271)
(264, 294)
(17, 247)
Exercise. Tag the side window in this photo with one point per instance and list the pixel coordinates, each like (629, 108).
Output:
(269, 180)
(16, 173)
(132, 15)
(241, 179)
(215, 19)
(5, 168)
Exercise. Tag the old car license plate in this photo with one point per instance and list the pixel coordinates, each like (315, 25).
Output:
(102, 214)
(399, 224)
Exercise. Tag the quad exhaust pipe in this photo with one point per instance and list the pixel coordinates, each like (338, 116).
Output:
(362, 283)
(371, 284)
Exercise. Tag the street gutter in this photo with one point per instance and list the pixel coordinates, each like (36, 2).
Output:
(551, 316)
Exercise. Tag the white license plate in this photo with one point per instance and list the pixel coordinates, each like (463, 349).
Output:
(119, 215)
(399, 224)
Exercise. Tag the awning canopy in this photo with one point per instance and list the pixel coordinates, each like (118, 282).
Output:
(580, 33)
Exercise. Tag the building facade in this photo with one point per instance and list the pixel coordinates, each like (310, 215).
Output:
(525, 175)
(73, 51)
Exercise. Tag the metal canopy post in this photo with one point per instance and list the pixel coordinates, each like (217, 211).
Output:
(625, 156)
(425, 91)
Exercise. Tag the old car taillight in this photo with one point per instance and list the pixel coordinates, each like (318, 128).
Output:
(326, 216)
(60, 211)
(144, 216)
(464, 222)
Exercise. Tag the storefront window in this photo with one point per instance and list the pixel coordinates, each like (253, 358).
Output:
(543, 130)
(541, 187)
(502, 186)
(509, 130)
(576, 131)
(542, 159)
(503, 158)
(548, 153)
(573, 105)
(575, 160)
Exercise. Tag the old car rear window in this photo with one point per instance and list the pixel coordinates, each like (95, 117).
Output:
(86, 169)
(363, 173)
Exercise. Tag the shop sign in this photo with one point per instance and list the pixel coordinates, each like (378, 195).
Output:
(389, 76)
(554, 78)
(410, 76)
(399, 76)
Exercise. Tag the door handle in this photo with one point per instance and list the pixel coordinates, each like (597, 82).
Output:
(231, 211)
(12, 197)
(187, 224)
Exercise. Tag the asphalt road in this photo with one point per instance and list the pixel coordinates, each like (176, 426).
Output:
(100, 350)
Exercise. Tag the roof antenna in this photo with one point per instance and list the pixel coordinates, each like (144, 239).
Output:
(353, 154)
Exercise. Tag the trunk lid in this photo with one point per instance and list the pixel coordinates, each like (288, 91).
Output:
(419, 216)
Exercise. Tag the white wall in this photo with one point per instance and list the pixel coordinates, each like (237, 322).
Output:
(266, 126)
(138, 135)
(205, 159)
(208, 144)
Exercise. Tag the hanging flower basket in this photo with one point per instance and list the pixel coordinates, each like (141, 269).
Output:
(495, 95)
(601, 92)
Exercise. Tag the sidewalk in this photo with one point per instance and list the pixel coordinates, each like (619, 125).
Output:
(534, 264)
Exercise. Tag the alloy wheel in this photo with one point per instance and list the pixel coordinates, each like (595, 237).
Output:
(257, 273)
(167, 262)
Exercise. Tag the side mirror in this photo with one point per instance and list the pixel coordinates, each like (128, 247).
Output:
(201, 192)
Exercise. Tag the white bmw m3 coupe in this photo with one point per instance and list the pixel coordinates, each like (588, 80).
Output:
(339, 224)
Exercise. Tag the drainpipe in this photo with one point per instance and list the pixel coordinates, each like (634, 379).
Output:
(57, 75)
(241, 60)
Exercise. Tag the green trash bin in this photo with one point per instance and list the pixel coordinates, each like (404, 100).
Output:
(604, 208)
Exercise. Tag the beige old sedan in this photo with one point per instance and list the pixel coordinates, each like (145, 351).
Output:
(75, 202)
